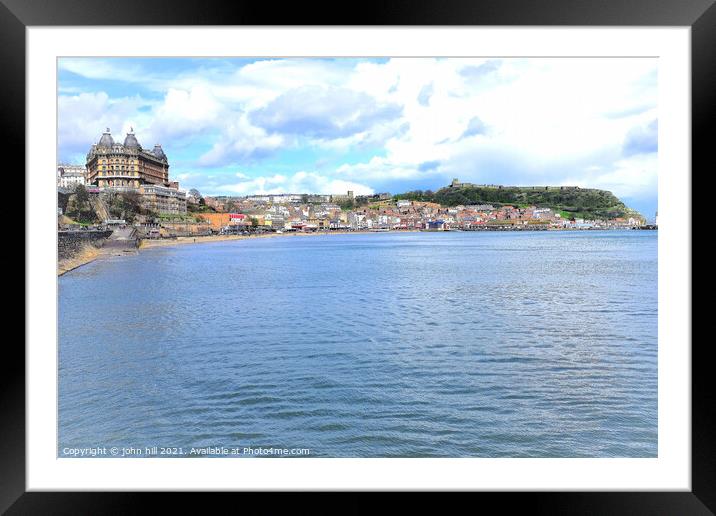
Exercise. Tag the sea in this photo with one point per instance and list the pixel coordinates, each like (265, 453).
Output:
(397, 344)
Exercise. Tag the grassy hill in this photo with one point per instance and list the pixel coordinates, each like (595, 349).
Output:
(588, 203)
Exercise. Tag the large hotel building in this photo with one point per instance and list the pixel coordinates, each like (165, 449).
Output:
(127, 166)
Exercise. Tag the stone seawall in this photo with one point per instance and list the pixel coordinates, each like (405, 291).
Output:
(69, 243)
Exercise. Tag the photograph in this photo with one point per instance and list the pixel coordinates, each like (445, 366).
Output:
(357, 257)
(435, 249)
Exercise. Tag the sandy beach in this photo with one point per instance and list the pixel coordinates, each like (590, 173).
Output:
(91, 253)
(145, 244)
(87, 254)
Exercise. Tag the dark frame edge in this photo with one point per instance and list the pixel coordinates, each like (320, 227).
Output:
(702, 498)
(703, 111)
(12, 370)
(370, 12)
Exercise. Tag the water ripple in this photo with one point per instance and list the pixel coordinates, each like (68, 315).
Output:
(385, 345)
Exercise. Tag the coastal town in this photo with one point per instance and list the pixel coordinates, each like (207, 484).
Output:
(125, 175)
(124, 193)
(382, 213)
(351, 257)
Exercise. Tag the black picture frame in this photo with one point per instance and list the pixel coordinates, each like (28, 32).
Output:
(700, 15)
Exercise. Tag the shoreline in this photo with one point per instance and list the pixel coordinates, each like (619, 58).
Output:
(92, 253)
(85, 256)
(148, 244)
(183, 240)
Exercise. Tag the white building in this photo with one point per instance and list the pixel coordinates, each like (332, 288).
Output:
(69, 176)
(286, 198)
(162, 199)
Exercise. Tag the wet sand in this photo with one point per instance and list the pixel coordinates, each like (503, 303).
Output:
(87, 254)
(221, 238)
(90, 253)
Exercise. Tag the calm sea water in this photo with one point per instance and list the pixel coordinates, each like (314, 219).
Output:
(535, 344)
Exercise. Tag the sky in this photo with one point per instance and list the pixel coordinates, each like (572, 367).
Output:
(328, 125)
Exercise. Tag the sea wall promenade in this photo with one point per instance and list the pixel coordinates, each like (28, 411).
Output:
(78, 247)
(70, 243)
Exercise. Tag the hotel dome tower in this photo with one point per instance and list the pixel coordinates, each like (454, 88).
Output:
(115, 167)
(126, 165)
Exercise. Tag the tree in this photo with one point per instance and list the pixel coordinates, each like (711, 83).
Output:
(195, 193)
(131, 203)
(81, 199)
(348, 204)
(125, 205)
(133, 198)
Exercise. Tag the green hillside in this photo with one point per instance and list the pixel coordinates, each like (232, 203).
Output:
(587, 203)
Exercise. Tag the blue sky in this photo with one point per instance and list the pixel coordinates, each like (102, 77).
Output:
(242, 126)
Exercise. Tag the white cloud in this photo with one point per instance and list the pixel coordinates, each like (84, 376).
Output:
(300, 182)
(510, 121)
(320, 112)
(83, 118)
(633, 177)
(240, 140)
(379, 169)
(101, 69)
(549, 120)
(184, 113)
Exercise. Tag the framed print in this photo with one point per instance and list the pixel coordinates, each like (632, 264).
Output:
(446, 248)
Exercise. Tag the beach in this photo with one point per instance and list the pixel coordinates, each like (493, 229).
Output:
(87, 254)
(90, 253)
(147, 243)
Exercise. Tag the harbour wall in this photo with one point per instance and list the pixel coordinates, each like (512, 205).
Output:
(69, 243)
